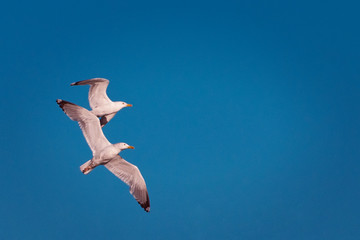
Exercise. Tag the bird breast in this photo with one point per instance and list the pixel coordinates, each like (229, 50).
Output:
(108, 153)
(105, 109)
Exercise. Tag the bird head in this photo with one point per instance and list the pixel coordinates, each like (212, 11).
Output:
(123, 146)
(122, 104)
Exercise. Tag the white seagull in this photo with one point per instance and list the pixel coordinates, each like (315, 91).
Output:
(100, 103)
(105, 153)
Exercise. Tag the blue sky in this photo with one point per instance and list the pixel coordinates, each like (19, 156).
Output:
(245, 120)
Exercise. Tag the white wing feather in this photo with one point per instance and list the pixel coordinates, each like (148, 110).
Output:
(131, 175)
(97, 91)
(89, 124)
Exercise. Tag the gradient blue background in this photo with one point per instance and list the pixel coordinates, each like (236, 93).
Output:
(245, 119)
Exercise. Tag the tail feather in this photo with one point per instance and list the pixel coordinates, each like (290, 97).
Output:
(86, 167)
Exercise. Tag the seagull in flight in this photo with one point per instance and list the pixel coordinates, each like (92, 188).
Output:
(100, 103)
(105, 153)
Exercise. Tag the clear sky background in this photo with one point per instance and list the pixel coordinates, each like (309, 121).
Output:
(245, 120)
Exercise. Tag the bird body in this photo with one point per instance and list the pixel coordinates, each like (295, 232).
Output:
(99, 102)
(105, 153)
(109, 153)
(106, 109)
(103, 157)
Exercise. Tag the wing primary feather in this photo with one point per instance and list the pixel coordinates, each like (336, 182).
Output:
(89, 124)
(131, 175)
(97, 93)
(90, 81)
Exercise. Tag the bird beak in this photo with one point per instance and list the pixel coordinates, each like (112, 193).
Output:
(131, 147)
(129, 105)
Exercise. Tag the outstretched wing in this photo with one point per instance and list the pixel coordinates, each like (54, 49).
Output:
(88, 123)
(131, 175)
(97, 92)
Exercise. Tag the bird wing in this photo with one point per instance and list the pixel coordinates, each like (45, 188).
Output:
(131, 175)
(88, 123)
(97, 91)
(105, 119)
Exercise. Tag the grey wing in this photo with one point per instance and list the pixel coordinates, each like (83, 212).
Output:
(131, 175)
(88, 123)
(97, 91)
(105, 119)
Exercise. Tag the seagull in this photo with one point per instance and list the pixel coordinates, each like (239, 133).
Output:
(105, 153)
(99, 102)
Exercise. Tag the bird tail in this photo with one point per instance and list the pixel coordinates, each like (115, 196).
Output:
(86, 167)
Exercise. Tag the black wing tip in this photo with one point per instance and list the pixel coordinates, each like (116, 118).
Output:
(83, 82)
(88, 81)
(146, 205)
(62, 103)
